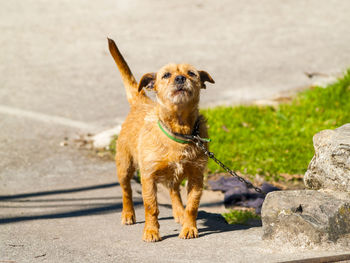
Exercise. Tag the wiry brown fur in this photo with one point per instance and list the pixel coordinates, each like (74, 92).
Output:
(142, 145)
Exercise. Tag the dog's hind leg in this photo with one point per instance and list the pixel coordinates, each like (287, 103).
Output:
(125, 171)
(178, 208)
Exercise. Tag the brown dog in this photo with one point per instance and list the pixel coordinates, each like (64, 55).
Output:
(147, 141)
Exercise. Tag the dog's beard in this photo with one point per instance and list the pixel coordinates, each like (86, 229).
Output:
(180, 94)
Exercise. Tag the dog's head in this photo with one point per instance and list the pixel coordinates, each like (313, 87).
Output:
(177, 84)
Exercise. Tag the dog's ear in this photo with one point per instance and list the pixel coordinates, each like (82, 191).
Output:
(147, 81)
(205, 77)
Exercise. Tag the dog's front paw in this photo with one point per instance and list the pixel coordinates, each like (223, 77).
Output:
(151, 235)
(128, 218)
(189, 232)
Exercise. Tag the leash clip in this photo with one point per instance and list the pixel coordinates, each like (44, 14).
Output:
(201, 139)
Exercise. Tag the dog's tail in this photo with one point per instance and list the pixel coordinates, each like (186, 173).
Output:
(128, 78)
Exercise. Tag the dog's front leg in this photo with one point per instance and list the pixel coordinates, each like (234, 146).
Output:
(149, 195)
(195, 187)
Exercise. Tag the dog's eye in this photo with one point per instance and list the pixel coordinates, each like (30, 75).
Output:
(166, 75)
(191, 73)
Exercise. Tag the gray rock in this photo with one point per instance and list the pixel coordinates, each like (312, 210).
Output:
(307, 217)
(330, 166)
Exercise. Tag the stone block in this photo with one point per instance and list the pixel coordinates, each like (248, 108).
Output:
(306, 217)
(330, 166)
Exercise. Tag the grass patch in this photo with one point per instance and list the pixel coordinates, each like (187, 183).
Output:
(271, 141)
(239, 216)
(276, 140)
(113, 145)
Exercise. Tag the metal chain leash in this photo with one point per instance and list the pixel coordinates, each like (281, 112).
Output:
(199, 142)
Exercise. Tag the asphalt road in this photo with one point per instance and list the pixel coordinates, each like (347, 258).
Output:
(58, 80)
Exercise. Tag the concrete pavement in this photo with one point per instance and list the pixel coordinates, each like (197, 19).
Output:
(74, 216)
(54, 57)
(57, 80)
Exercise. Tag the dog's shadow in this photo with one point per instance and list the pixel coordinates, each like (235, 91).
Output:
(212, 223)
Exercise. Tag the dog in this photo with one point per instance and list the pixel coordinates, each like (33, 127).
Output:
(149, 141)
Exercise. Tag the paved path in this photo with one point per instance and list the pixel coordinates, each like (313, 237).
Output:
(57, 80)
(54, 57)
(67, 208)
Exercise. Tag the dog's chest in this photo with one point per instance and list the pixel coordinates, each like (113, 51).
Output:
(182, 162)
(182, 155)
(166, 160)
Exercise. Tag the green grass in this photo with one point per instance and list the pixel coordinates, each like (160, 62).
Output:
(239, 216)
(270, 141)
(112, 145)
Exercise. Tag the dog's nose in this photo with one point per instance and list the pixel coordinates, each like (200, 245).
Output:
(180, 79)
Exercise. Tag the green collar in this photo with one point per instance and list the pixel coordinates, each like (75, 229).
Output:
(183, 138)
(171, 135)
